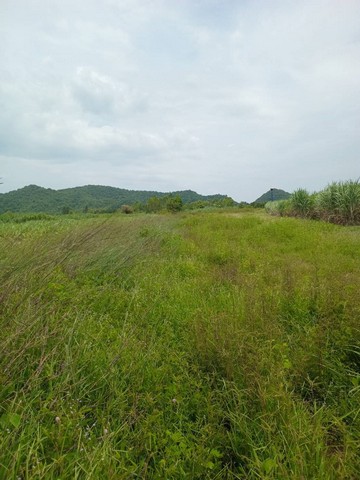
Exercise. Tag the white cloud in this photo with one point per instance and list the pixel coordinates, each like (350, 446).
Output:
(94, 92)
(158, 92)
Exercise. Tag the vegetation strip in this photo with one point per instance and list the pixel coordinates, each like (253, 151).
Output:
(338, 203)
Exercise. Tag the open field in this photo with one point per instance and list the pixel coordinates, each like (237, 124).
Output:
(189, 346)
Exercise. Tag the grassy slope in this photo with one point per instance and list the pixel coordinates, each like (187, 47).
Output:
(194, 346)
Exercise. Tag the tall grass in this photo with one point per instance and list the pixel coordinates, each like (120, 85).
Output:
(301, 203)
(202, 346)
(338, 203)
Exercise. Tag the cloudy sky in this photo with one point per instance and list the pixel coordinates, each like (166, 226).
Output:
(217, 96)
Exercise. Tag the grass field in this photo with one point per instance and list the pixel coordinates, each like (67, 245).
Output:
(212, 345)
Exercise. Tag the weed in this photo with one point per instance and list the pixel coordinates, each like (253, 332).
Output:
(200, 345)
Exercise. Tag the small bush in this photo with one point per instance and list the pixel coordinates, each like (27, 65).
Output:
(127, 209)
(174, 204)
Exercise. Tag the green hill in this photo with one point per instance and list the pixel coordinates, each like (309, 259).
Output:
(38, 199)
(273, 194)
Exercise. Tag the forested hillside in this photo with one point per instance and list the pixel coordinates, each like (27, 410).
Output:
(272, 195)
(38, 199)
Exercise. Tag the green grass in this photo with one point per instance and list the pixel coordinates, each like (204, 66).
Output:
(199, 345)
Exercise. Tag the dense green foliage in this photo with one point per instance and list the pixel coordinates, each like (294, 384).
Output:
(191, 346)
(273, 194)
(91, 197)
(170, 203)
(174, 204)
(339, 203)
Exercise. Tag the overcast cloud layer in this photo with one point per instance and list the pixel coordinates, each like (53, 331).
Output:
(217, 96)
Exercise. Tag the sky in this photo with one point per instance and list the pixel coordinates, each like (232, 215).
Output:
(217, 96)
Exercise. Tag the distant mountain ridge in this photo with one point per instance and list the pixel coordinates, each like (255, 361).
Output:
(34, 199)
(272, 195)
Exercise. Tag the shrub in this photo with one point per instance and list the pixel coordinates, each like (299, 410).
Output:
(153, 205)
(127, 209)
(198, 204)
(174, 204)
